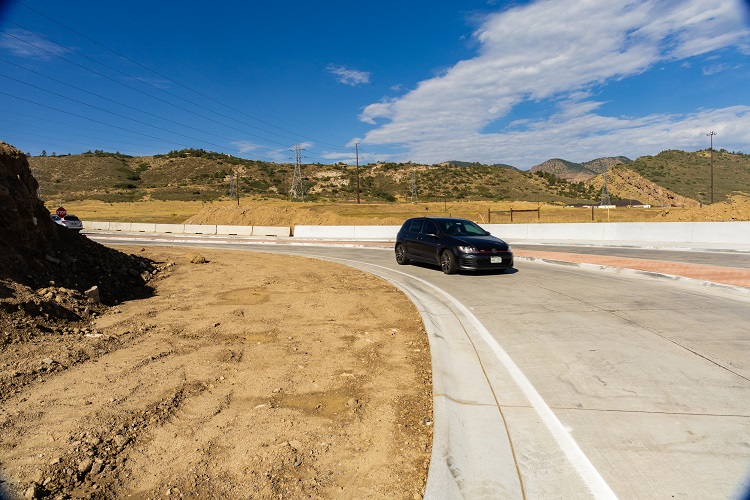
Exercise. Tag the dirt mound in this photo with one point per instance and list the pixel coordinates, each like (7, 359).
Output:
(293, 385)
(629, 185)
(281, 214)
(737, 208)
(35, 251)
(53, 281)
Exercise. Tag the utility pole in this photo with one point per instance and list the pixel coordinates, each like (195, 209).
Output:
(298, 189)
(711, 153)
(356, 147)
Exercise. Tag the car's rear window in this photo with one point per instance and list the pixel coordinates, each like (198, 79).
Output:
(71, 217)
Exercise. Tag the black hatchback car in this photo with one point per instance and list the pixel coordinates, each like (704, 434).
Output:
(453, 244)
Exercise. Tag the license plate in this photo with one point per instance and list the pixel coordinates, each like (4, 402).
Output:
(496, 260)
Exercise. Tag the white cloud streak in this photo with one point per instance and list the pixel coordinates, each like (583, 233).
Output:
(349, 76)
(22, 43)
(558, 50)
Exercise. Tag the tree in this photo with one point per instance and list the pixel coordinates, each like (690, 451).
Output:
(44, 152)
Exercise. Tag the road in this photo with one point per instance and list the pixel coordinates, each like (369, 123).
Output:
(566, 382)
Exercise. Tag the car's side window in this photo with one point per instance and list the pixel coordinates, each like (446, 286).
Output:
(416, 225)
(429, 227)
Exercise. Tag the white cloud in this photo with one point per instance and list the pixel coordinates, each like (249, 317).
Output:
(22, 43)
(245, 146)
(555, 50)
(349, 76)
(718, 68)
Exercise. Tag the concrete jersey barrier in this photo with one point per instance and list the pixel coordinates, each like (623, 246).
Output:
(726, 233)
(204, 229)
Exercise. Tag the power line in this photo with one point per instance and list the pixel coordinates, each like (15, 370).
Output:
(146, 93)
(169, 79)
(114, 102)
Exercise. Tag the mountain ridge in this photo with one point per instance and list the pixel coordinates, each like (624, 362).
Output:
(202, 175)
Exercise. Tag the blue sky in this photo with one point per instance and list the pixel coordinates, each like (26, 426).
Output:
(515, 82)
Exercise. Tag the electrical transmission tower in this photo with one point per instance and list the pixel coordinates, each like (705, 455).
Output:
(297, 191)
(233, 185)
(413, 186)
(605, 200)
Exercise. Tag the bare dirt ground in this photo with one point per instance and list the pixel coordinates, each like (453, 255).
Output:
(243, 375)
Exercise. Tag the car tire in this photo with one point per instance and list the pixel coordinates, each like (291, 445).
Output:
(448, 262)
(401, 258)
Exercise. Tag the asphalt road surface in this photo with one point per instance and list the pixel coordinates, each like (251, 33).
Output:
(627, 386)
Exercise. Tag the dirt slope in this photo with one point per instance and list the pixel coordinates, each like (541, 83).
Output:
(245, 376)
(630, 185)
(156, 374)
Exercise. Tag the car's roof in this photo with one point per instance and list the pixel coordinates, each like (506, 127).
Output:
(442, 218)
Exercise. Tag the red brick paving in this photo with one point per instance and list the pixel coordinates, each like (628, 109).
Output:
(717, 274)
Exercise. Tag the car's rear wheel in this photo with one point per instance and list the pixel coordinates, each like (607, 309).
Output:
(448, 262)
(401, 258)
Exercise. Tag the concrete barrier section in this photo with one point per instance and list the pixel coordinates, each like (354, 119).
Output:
(377, 233)
(662, 232)
(732, 233)
(510, 232)
(199, 229)
(120, 226)
(143, 227)
(96, 225)
(170, 228)
(325, 232)
(374, 233)
(657, 232)
(235, 230)
(280, 231)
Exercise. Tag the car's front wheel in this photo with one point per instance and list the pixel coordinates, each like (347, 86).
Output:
(448, 262)
(401, 258)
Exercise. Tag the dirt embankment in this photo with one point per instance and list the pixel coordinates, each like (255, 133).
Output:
(157, 374)
(277, 214)
(630, 185)
(737, 208)
(245, 375)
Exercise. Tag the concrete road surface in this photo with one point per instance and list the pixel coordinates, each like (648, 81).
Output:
(598, 384)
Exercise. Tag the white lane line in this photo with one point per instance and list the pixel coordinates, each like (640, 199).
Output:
(590, 476)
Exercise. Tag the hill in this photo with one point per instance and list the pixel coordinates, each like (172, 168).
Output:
(689, 174)
(671, 177)
(625, 184)
(197, 175)
(578, 172)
